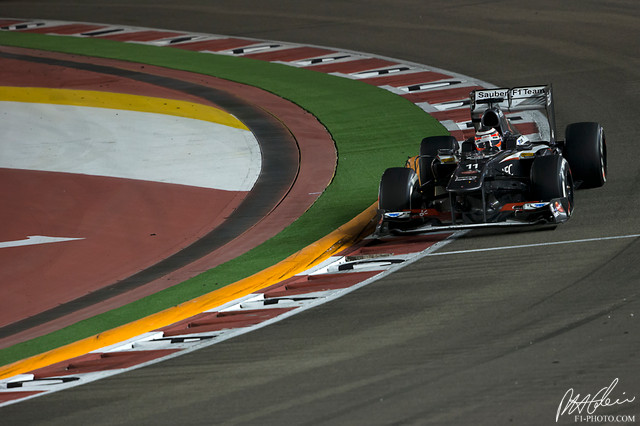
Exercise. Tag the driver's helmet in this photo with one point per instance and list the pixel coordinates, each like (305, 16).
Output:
(488, 138)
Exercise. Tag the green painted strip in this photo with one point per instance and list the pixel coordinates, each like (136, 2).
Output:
(373, 129)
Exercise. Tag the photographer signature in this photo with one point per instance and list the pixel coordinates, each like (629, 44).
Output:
(571, 403)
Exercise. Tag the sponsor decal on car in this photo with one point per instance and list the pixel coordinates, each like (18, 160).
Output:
(447, 158)
(491, 94)
(523, 206)
(558, 210)
(534, 206)
(397, 215)
(526, 92)
(508, 169)
(466, 178)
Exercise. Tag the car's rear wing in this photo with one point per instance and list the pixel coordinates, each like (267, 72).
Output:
(515, 99)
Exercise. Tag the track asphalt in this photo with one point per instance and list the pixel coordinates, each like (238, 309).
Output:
(479, 338)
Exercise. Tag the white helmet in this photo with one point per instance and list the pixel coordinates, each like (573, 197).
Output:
(488, 138)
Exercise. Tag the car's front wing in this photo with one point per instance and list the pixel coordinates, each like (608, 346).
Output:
(555, 211)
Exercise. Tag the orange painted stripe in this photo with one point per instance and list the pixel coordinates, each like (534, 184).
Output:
(124, 101)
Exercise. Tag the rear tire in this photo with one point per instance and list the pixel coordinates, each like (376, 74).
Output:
(398, 190)
(551, 178)
(585, 149)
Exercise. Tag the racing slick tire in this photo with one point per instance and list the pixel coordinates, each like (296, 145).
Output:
(551, 178)
(397, 190)
(432, 144)
(585, 149)
(429, 148)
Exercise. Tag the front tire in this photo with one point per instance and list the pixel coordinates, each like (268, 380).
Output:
(551, 178)
(398, 190)
(585, 149)
(429, 148)
(430, 145)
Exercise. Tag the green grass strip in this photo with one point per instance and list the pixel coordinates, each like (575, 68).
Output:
(373, 129)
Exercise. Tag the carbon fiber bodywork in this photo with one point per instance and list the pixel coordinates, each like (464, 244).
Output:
(526, 181)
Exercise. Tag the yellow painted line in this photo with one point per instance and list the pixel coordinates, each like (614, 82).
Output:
(122, 101)
(341, 238)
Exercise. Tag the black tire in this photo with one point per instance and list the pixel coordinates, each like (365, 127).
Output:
(431, 144)
(585, 149)
(551, 178)
(398, 189)
(429, 148)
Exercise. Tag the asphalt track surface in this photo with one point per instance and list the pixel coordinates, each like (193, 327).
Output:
(485, 337)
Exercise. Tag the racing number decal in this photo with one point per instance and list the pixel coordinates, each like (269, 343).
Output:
(472, 166)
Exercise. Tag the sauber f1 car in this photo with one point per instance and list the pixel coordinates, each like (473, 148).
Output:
(500, 177)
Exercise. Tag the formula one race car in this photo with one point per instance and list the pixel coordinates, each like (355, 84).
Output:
(499, 177)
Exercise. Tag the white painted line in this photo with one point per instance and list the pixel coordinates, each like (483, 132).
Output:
(34, 240)
(587, 240)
